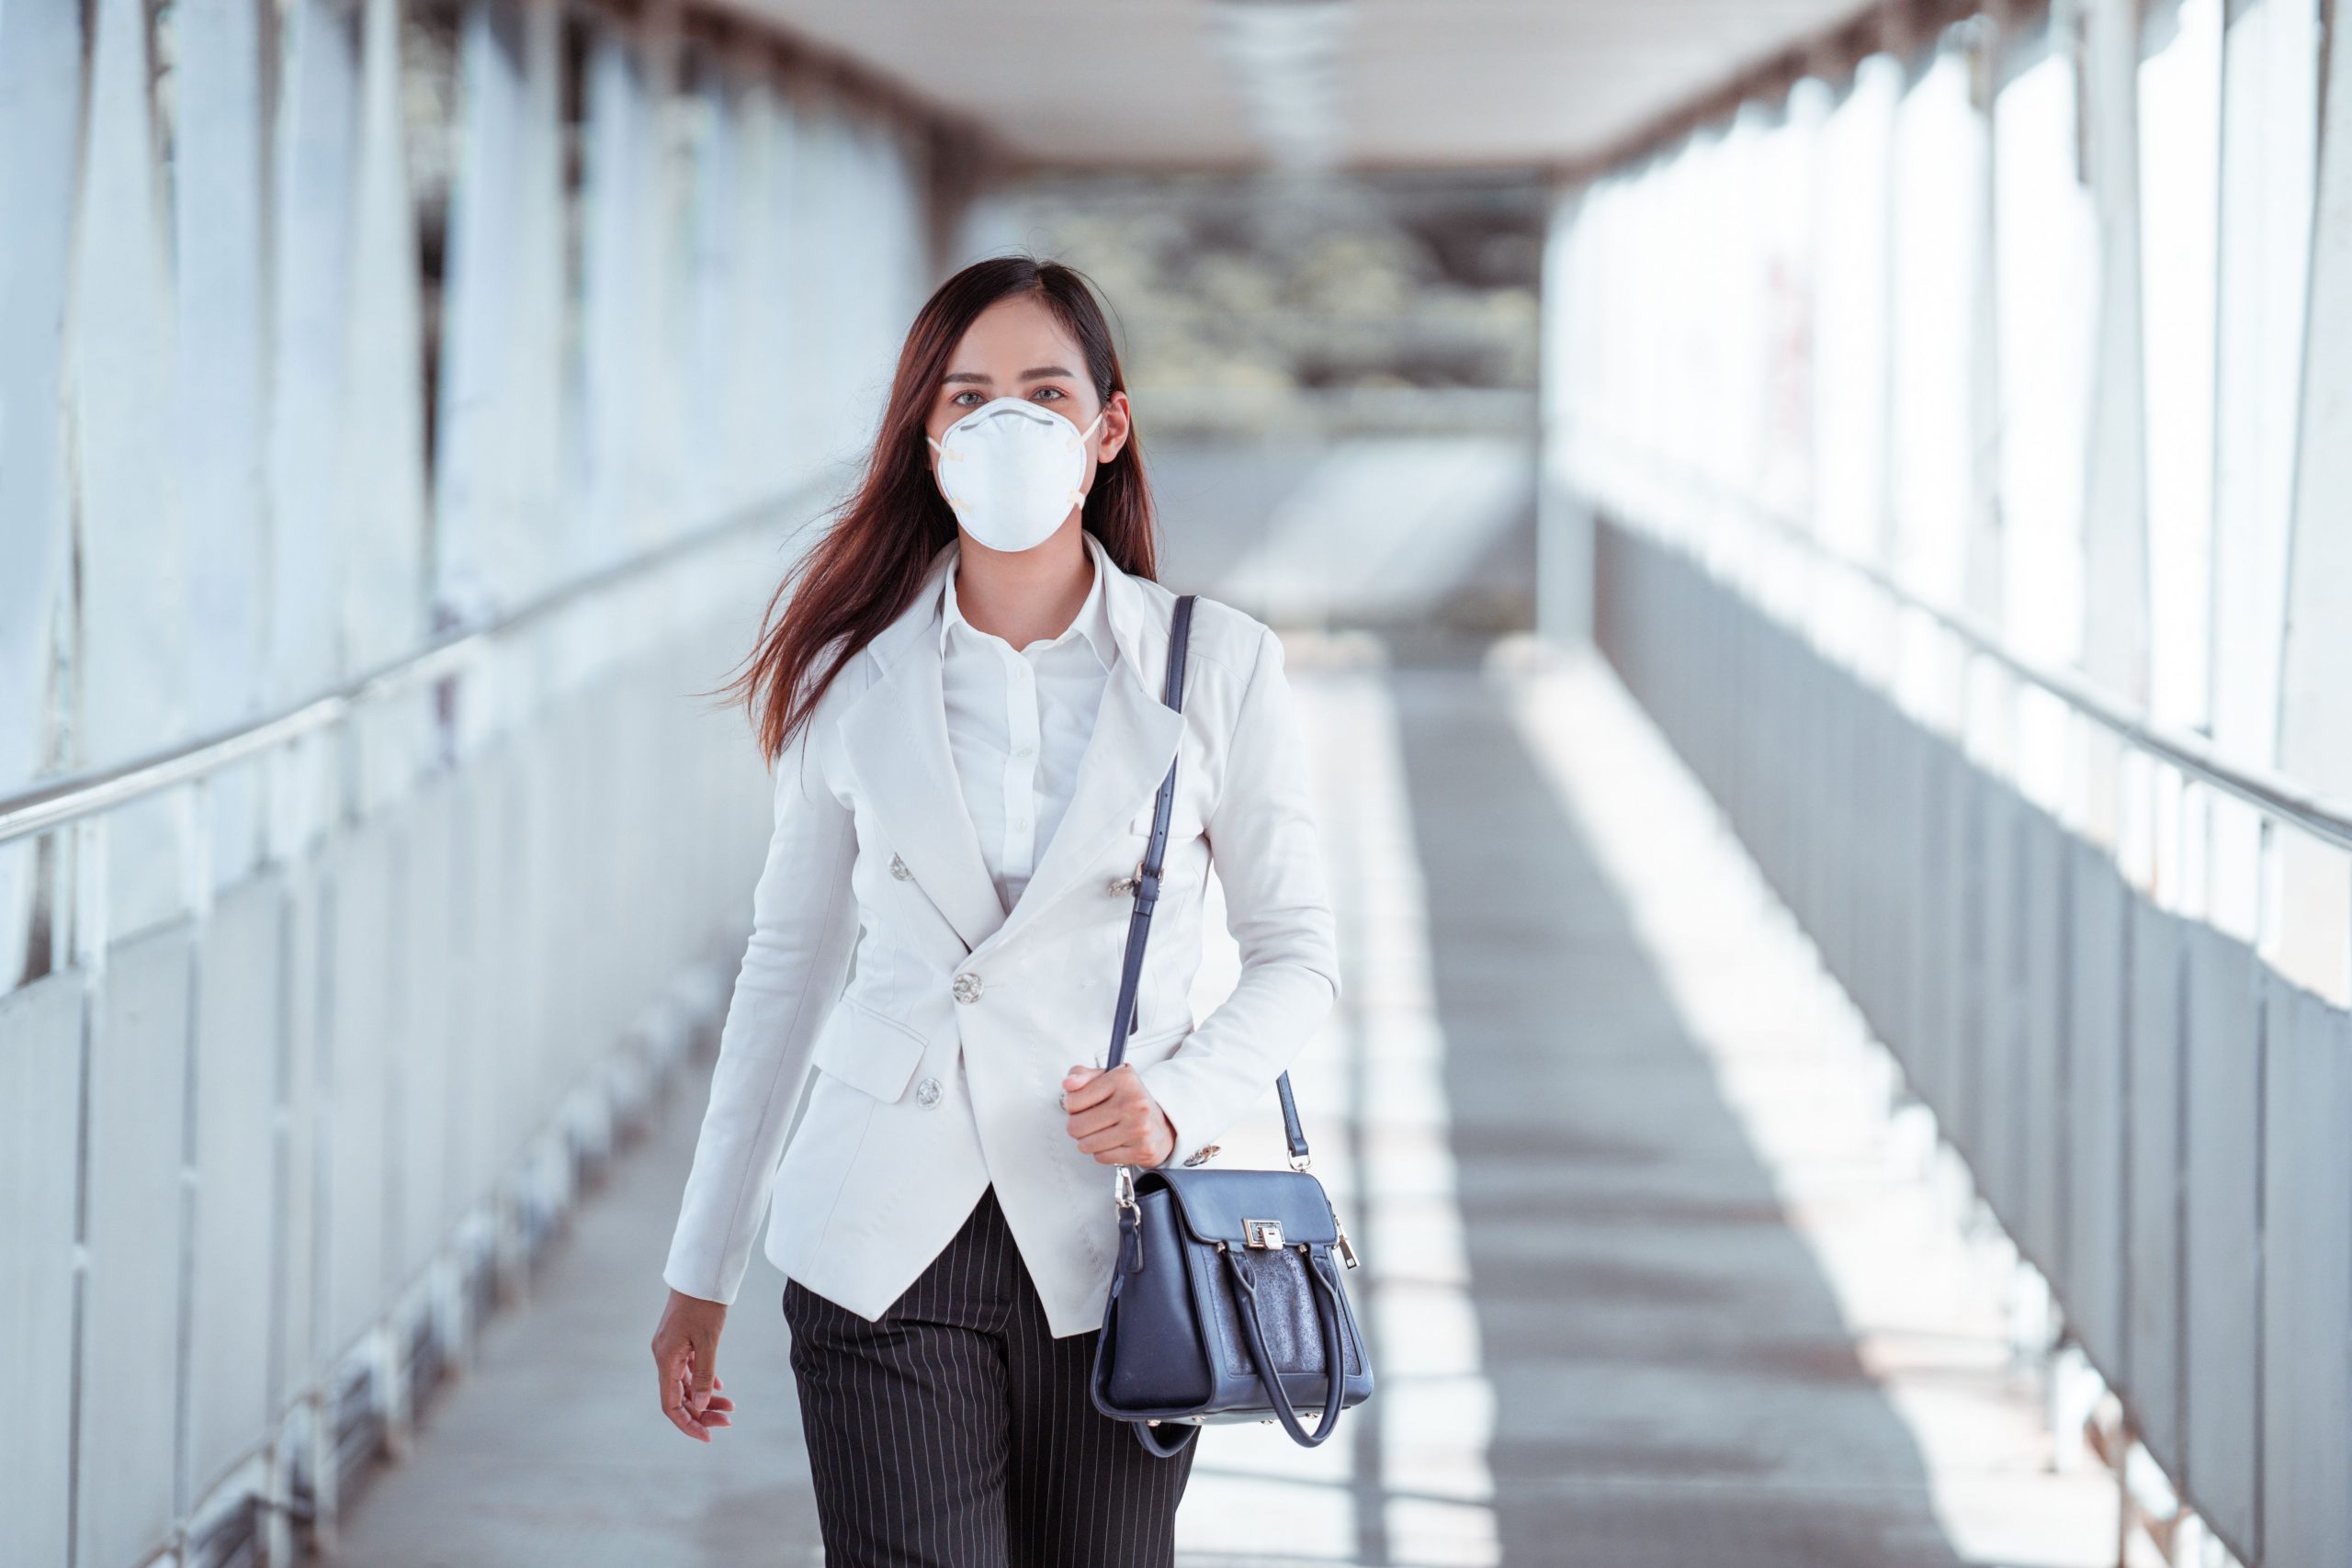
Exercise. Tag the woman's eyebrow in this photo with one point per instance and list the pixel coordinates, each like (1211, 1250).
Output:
(1034, 373)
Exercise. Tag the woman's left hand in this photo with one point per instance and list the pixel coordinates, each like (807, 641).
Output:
(1113, 1117)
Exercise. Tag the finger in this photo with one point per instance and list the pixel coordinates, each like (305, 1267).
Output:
(1094, 1119)
(670, 1380)
(1092, 1092)
(1123, 1136)
(713, 1407)
(673, 1367)
(674, 1405)
(706, 1378)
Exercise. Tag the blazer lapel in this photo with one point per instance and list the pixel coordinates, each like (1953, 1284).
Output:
(895, 736)
(1133, 738)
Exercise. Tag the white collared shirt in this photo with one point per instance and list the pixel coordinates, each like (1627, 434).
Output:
(1018, 721)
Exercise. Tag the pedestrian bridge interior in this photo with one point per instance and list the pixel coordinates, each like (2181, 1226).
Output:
(1829, 742)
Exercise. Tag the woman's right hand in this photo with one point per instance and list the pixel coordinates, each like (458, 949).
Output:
(685, 1352)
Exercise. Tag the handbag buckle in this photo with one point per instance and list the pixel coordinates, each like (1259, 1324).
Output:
(1263, 1233)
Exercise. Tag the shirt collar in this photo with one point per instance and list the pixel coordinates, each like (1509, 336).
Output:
(1093, 621)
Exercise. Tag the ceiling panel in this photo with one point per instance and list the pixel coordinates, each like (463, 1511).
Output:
(1364, 82)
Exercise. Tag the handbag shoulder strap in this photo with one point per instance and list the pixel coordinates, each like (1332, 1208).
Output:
(1123, 1019)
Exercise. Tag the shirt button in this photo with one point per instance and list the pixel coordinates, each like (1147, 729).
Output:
(1024, 751)
(1021, 821)
(967, 987)
(927, 1092)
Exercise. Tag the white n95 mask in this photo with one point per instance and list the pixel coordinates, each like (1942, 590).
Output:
(1010, 470)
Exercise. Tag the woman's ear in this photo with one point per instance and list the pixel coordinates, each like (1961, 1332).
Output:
(1116, 425)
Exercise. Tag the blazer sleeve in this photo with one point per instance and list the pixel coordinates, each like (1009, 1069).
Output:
(1262, 841)
(803, 926)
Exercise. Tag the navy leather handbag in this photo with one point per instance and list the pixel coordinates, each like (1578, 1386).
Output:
(1226, 1302)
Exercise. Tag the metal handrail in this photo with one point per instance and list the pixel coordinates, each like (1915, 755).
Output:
(55, 802)
(2268, 792)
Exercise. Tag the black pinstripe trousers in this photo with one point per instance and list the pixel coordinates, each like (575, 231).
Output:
(956, 1432)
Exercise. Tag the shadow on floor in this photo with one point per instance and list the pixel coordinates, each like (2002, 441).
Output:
(1675, 1384)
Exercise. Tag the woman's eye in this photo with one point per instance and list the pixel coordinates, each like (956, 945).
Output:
(956, 400)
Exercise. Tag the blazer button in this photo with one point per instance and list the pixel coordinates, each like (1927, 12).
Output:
(967, 987)
(898, 869)
(927, 1093)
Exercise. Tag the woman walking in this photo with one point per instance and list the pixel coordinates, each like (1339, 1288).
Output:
(962, 701)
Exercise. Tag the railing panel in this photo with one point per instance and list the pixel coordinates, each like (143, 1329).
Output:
(570, 781)
(1827, 863)
(239, 982)
(1926, 1049)
(1837, 866)
(1999, 1162)
(1876, 898)
(41, 1096)
(2091, 1283)
(1963, 1110)
(2149, 1376)
(357, 1080)
(492, 1055)
(1901, 896)
(303, 1357)
(428, 1195)
(2222, 1123)
(2307, 1279)
(2047, 891)
(130, 1304)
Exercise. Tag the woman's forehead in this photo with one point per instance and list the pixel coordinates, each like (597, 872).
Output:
(1018, 329)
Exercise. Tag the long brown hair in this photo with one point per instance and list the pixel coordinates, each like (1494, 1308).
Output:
(867, 566)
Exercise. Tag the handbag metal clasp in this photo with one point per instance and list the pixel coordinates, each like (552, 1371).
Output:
(1263, 1233)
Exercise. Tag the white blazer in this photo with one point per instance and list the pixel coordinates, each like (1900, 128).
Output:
(939, 1065)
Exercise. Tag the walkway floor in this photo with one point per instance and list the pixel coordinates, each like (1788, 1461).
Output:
(1650, 1279)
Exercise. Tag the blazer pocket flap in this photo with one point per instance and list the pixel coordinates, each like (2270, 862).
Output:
(870, 1050)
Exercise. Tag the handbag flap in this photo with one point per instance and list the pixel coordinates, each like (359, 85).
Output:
(1219, 1206)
